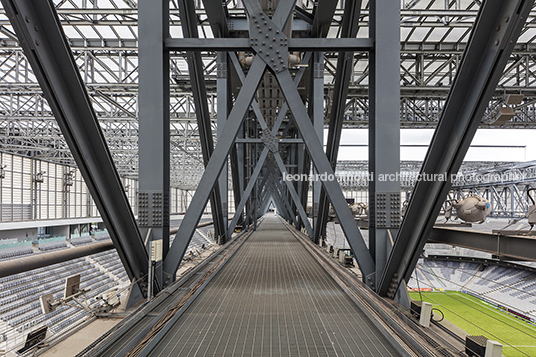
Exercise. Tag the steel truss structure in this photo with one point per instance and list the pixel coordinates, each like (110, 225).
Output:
(270, 74)
(104, 39)
(506, 188)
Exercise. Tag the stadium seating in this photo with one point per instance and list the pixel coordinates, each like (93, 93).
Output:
(506, 286)
(20, 309)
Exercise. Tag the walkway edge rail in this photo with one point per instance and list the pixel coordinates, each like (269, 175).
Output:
(385, 322)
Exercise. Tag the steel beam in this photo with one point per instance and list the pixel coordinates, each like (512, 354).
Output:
(508, 247)
(384, 131)
(264, 154)
(345, 65)
(496, 30)
(35, 261)
(294, 195)
(224, 94)
(213, 168)
(322, 17)
(294, 44)
(154, 127)
(195, 69)
(247, 191)
(314, 146)
(284, 202)
(316, 111)
(44, 43)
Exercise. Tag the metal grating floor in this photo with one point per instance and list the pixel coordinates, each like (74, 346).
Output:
(273, 299)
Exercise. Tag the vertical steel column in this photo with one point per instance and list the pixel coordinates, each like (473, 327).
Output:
(41, 36)
(498, 25)
(384, 129)
(154, 127)
(223, 90)
(217, 16)
(195, 69)
(213, 168)
(316, 101)
(303, 168)
(345, 62)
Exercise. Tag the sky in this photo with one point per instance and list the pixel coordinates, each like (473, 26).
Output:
(490, 137)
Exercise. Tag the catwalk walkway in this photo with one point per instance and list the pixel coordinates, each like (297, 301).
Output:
(273, 299)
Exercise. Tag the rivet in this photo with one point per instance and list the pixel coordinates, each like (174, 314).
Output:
(498, 27)
(37, 42)
(260, 31)
(271, 46)
(269, 28)
(36, 28)
(27, 19)
(277, 32)
(260, 49)
(266, 36)
(264, 43)
(496, 42)
(506, 18)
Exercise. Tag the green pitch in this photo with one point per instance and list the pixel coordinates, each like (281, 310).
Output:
(477, 317)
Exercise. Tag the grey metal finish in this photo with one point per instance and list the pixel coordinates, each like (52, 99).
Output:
(294, 44)
(304, 166)
(217, 15)
(264, 154)
(213, 168)
(189, 30)
(284, 206)
(345, 62)
(247, 191)
(506, 247)
(53, 64)
(384, 130)
(286, 203)
(35, 261)
(322, 16)
(308, 133)
(224, 94)
(240, 313)
(260, 140)
(317, 113)
(217, 160)
(475, 82)
(107, 59)
(279, 161)
(154, 127)
(294, 195)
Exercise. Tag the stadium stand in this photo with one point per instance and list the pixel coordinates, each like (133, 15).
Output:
(510, 285)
